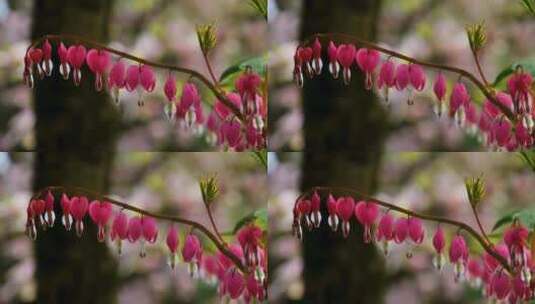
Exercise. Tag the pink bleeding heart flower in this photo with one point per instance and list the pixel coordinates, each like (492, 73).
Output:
(471, 115)
(345, 56)
(38, 207)
(519, 85)
(492, 110)
(501, 130)
(250, 238)
(366, 213)
(66, 218)
(150, 229)
(417, 77)
(458, 256)
(226, 262)
(222, 110)
(401, 230)
(172, 240)
(119, 230)
(100, 213)
(135, 229)
(247, 85)
(303, 209)
(232, 134)
(35, 56)
(211, 267)
(402, 76)
(387, 76)
(98, 62)
(190, 103)
(234, 283)
(516, 238)
(416, 230)
(64, 67)
(367, 60)
(170, 88)
(459, 97)
(298, 69)
(439, 242)
(76, 58)
(254, 137)
(119, 227)
(317, 63)
(315, 204)
(333, 215)
(345, 207)
(522, 135)
(50, 216)
(47, 64)
(490, 262)
(132, 78)
(254, 290)
(147, 78)
(501, 285)
(439, 88)
(213, 127)
(117, 79)
(192, 249)
(458, 250)
(305, 57)
(334, 66)
(385, 231)
(475, 269)
(31, 229)
(79, 207)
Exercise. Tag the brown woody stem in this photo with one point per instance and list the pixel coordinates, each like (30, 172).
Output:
(462, 226)
(81, 191)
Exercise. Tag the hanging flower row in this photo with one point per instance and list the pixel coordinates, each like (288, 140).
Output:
(238, 126)
(496, 129)
(503, 272)
(239, 270)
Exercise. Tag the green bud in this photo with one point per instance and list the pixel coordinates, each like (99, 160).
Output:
(206, 36)
(209, 188)
(475, 188)
(477, 36)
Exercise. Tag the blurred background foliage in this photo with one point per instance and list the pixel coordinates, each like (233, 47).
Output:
(426, 182)
(159, 30)
(431, 30)
(160, 182)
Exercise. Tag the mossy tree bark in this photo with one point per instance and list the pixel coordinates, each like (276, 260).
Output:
(344, 132)
(76, 132)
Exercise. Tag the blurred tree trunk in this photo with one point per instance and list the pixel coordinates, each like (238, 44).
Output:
(344, 132)
(76, 132)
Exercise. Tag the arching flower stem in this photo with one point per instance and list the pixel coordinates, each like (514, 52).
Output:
(195, 74)
(221, 246)
(488, 92)
(460, 225)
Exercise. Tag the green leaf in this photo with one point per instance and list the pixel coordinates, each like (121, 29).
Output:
(257, 64)
(529, 158)
(259, 217)
(261, 156)
(528, 65)
(529, 5)
(261, 6)
(526, 217)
